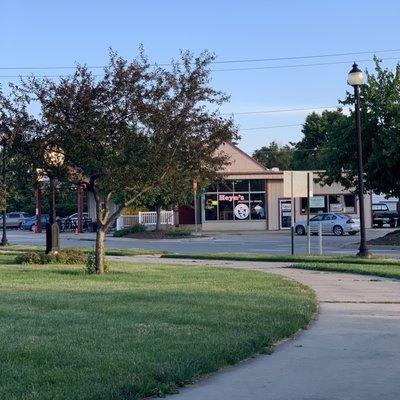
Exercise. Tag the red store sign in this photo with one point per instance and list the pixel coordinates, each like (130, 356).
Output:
(236, 197)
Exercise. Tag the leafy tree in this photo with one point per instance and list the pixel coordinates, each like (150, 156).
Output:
(309, 152)
(380, 125)
(132, 129)
(174, 190)
(275, 156)
(14, 124)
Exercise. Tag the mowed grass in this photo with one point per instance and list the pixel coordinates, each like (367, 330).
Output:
(382, 270)
(301, 258)
(18, 249)
(140, 330)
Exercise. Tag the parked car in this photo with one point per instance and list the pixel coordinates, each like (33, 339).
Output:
(74, 217)
(382, 215)
(335, 223)
(29, 224)
(14, 219)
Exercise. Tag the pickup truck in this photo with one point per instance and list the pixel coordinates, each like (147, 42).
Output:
(382, 215)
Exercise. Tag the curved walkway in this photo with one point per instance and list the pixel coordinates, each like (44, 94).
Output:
(351, 351)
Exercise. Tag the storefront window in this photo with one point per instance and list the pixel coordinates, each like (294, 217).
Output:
(225, 203)
(318, 204)
(334, 203)
(225, 186)
(242, 209)
(349, 203)
(241, 186)
(257, 185)
(213, 188)
(211, 207)
(257, 206)
(238, 200)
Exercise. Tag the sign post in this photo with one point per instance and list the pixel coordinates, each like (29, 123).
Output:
(296, 184)
(195, 204)
(292, 214)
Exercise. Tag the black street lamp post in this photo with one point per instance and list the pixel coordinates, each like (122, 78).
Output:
(52, 228)
(355, 79)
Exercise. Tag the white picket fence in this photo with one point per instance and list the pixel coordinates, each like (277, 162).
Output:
(145, 218)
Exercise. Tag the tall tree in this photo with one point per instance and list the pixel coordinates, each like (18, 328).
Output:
(133, 129)
(274, 155)
(309, 152)
(14, 124)
(380, 126)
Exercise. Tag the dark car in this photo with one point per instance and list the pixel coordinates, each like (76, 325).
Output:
(29, 224)
(382, 215)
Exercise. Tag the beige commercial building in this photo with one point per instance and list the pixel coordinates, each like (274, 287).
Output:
(251, 197)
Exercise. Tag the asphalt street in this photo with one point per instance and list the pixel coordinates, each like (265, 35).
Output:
(271, 242)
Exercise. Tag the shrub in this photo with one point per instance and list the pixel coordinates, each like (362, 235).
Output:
(178, 232)
(29, 257)
(90, 265)
(120, 232)
(66, 256)
(137, 228)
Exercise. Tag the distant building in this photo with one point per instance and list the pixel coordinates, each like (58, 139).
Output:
(251, 198)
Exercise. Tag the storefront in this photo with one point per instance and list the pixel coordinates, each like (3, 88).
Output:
(235, 201)
(250, 197)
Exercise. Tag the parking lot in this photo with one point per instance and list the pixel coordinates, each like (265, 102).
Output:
(272, 242)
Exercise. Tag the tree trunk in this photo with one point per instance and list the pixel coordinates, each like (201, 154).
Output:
(4, 240)
(158, 222)
(100, 249)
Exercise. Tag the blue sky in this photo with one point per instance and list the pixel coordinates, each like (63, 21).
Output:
(60, 33)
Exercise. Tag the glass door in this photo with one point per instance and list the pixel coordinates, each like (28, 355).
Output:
(285, 214)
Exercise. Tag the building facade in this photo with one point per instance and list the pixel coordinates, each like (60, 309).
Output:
(251, 197)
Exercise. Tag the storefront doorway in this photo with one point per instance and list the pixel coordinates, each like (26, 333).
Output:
(285, 214)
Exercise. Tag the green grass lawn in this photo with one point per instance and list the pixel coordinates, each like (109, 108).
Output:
(383, 270)
(302, 258)
(140, 330)
(16, 249)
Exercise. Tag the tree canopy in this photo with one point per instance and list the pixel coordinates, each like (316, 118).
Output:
(274, 155)
(133, 129)
(380, 126)
(309, 153)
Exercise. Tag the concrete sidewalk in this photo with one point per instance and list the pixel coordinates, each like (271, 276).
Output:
(351, 351)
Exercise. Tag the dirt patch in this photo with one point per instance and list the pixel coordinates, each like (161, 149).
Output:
(390, 239)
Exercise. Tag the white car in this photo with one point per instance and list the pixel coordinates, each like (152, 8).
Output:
(335, 223)
(14, 219)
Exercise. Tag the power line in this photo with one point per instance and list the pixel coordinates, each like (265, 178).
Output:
(298, 65)
(304, 57)
(234, 61)
(225, 69)
(283, 110)
(269, 127)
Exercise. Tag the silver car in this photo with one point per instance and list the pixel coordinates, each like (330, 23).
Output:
(335, 223)
(14, 219)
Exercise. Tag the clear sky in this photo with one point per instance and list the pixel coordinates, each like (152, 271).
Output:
(60, 33)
